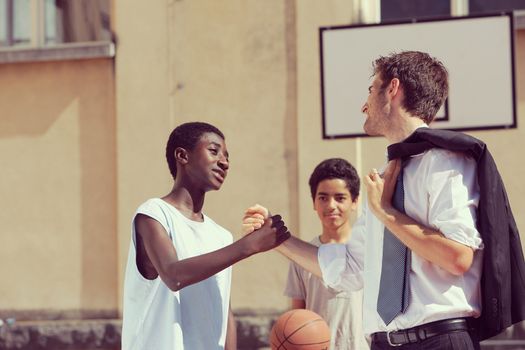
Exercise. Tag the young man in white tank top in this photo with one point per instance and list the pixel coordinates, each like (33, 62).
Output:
(178, 275)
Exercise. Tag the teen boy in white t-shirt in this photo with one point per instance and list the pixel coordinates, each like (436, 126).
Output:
(334, 186)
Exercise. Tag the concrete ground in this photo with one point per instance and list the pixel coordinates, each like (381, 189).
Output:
(104, 334)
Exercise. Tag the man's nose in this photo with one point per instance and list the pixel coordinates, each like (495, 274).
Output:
(364, 109)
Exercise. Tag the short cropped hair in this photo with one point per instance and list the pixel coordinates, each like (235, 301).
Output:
(424, 80)
(335, 168)
(186, 136)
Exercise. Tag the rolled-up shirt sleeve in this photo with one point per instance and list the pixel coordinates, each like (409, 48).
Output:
(342, 264)
(454, 197)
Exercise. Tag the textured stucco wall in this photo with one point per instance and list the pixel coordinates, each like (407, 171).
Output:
(57, 150)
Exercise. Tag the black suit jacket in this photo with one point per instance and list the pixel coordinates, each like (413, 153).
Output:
(503, 275)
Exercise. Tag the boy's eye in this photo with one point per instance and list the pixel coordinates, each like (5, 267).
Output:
(214, 151)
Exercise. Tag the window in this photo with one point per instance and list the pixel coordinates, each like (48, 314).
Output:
(395, 10)
(15, 23)
(45, 29)
(69, 21)
(402, 10)
(483, 6)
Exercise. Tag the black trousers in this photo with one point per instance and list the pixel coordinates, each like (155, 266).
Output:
(456, 340)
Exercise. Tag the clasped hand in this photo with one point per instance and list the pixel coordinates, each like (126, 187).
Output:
(264, 232)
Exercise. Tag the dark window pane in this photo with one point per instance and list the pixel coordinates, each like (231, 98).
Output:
(485, 6)
(398, 10)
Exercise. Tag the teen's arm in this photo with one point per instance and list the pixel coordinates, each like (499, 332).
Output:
(339, 265)
(302, 253)
(298, 304)
(231, 332)
(178, 274)
(428, 243)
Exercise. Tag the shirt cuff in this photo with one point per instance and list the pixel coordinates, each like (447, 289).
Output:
(464, 235)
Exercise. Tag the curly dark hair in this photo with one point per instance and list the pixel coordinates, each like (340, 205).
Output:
(186, 136)
(424, 80)
(335, 168)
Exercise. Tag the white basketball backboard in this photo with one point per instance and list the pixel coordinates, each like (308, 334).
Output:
(477, 51)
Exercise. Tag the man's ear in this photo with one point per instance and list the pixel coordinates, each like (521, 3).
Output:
(181, 155)
(394, 87)
(395, 90)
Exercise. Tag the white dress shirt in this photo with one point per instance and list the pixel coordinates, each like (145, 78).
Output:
(441, 192)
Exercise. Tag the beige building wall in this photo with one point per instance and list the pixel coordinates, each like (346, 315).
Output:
(82, 142)
(142, 105)
(57, 149)
(226, 64)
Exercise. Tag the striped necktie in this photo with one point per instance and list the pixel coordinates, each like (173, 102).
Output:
(394, 287)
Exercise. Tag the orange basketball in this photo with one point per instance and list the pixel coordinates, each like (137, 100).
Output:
(300, 329)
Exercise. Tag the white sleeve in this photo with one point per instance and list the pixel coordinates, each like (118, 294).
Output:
(152, 209)
(342, 264)
(453, 195)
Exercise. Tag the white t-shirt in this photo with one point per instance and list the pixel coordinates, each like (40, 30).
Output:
(193, 318)
(341, 309)
(441, 192)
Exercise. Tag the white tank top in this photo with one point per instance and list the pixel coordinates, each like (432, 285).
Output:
(193, 318)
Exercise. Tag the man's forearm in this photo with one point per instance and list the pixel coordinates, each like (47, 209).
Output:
(302, 253)
(428, 243)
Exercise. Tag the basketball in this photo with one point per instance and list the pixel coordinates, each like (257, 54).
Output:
(300, 329)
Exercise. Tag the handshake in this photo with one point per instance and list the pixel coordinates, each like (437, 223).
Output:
(261, 231)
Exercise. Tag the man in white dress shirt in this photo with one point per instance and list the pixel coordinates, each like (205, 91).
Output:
(437, 225)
